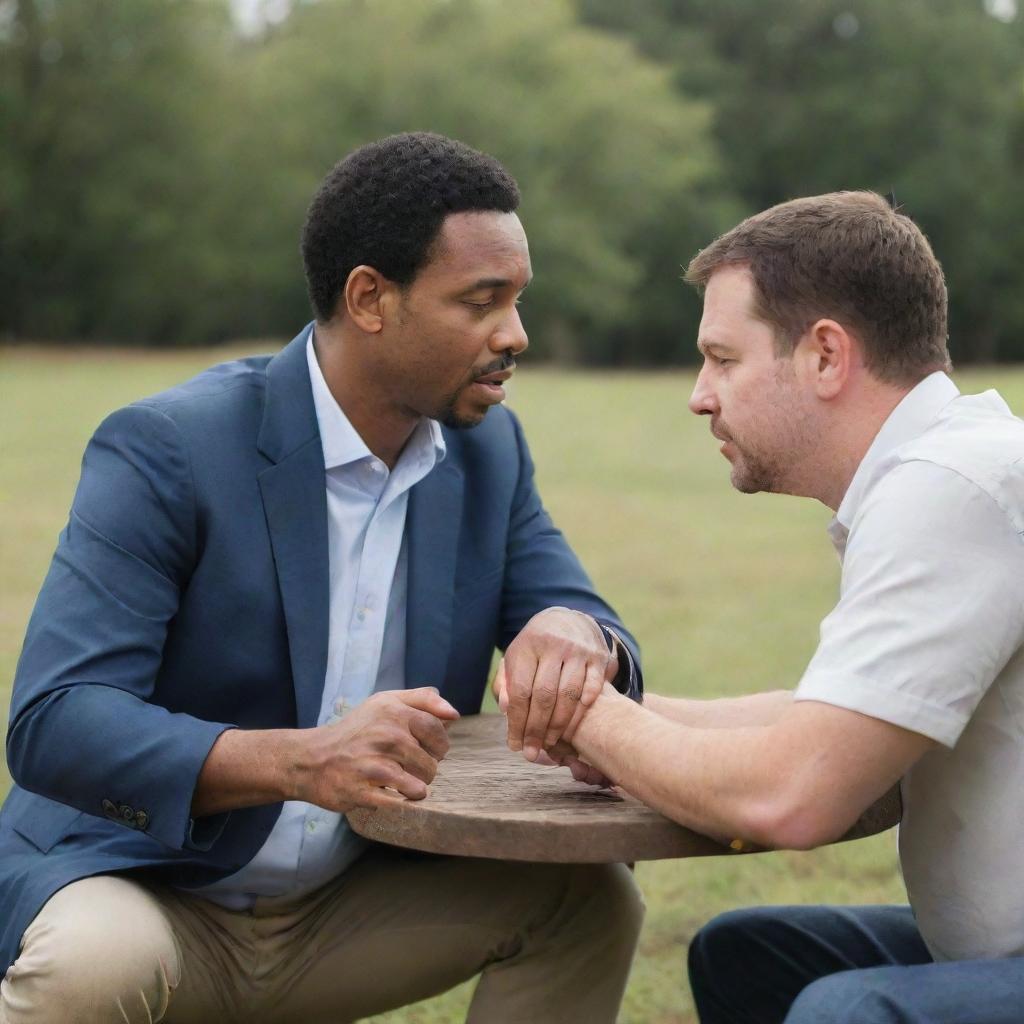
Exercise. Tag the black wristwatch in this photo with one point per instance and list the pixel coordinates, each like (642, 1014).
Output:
(626, 681)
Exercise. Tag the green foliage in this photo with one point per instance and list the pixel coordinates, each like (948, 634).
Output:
(156, 163)
(99, 160)
(921, 97)
(192, 173)
(557, 103)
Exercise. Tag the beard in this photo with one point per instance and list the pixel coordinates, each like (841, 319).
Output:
(447, 413)
(774, 455)
(450, 418)
(752, 474)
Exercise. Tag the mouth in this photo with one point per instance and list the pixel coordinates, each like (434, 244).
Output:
(490, 386)
(720, 435)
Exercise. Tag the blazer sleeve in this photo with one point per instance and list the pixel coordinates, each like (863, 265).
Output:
(84, 729)
(542, 570)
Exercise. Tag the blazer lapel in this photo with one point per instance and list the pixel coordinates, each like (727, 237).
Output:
(432, 526)
(295, 504)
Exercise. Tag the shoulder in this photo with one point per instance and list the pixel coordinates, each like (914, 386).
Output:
(221, 394)
(211, 420)
(222, 402)
(923, 517)
(975, 447)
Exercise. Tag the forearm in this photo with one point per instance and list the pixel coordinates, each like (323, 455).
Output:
(248, 768)
(722, 713)
(797, 783)
(387, 748)
(720, 782)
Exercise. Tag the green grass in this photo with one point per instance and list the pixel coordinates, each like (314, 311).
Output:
(725, 591)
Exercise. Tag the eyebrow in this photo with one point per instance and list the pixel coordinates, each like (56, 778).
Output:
(704, 346)
(494, 282)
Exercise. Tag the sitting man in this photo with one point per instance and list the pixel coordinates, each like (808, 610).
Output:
(264, 571)
(824, 345)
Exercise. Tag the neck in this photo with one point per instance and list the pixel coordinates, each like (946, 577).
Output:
(855, 425)
(384, 427)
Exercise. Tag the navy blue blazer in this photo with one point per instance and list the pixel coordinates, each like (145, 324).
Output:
(189, 594)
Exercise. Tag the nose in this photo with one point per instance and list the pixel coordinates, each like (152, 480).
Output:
(703, 400)
(510, 335)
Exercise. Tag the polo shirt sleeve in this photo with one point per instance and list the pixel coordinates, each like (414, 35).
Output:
(931, 605)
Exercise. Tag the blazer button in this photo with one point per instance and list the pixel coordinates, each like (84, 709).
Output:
(127, 814)
(109, 809)
(141, 820)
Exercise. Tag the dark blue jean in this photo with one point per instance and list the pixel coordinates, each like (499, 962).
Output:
(842, 965)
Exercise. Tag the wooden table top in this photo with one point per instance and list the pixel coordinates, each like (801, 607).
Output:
(487, 801)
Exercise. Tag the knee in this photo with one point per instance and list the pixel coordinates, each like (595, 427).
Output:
(720, 951)
(733, 965)
(847, 997)
(614, 892)
(96, 946)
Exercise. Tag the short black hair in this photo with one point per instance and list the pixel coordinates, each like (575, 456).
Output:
(384, 204)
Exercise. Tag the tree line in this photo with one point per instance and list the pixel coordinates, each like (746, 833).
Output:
(157, 156)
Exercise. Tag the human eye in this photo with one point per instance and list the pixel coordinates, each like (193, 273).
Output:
(478, 304)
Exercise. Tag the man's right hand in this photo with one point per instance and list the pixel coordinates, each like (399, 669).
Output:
(385, 749)
(392, 741)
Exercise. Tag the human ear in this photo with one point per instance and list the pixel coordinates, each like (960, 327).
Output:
(826, 354)
(364, 298)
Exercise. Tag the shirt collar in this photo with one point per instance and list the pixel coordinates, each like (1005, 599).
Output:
(341, 441)
(915, 412)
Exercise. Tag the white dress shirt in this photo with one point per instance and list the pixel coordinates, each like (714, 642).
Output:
(366, 507)
(929, 634)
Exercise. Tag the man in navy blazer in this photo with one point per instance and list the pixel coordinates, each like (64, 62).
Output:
(264, 571)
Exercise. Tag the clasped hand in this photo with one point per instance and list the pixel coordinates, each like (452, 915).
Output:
(551, 673)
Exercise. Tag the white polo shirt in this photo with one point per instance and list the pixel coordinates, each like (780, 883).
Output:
(929, 634)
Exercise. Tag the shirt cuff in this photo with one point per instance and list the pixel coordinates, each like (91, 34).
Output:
(627, 681)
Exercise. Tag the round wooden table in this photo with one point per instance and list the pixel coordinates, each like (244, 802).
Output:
(490, 802)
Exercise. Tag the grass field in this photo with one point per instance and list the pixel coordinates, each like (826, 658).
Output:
(725, 591)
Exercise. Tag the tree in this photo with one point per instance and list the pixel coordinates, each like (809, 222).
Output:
(920, 97)
(108, 109)
(605, 150)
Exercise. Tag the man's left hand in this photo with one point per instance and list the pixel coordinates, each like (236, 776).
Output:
(553, 671)
(562, 755)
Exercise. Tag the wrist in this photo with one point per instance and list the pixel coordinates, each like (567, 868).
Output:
(292, 763)
(601, 716)
(247, 768)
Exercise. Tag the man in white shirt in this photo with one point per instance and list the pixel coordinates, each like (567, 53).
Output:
(824, 375)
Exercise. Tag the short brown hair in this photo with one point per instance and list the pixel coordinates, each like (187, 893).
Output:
(849, 256)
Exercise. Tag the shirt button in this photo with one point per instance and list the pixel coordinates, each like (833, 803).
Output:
(340, 707)
(310, 827)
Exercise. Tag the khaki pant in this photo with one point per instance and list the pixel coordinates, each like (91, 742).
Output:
(552, 943)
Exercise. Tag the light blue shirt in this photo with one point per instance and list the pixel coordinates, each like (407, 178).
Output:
(366, 507)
